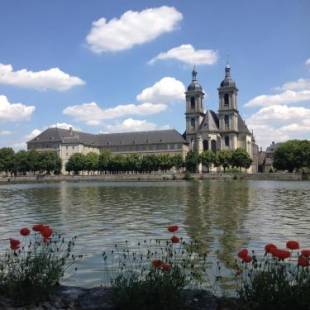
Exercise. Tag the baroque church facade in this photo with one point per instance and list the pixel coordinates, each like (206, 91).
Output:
(208, 130)
(205, 130)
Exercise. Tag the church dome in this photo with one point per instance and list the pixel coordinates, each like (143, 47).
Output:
(194, 85)
(228, 81)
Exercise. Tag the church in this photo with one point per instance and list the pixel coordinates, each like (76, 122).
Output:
(205, 130)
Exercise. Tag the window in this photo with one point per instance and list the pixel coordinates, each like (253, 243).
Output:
(226, 120)
(226, 99)
(205, 145)
(193, 103)
(226, 140)
(213, 145)
(193, 122)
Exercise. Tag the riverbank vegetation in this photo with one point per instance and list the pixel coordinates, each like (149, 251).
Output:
(156, 274)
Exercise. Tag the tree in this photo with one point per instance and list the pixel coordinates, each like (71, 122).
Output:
(76, 163)
(241, 159)
(207, 158)
(223, 159)
(49, 161)
(91, 162)
(133, 162)
(6, 159)
(178, 161)
(103, 160)
(292, 155)
(191, 161)
(165, 162)
(21, 162)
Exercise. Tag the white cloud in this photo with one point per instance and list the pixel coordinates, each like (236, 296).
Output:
(33, 134)
(186, 53)
(280, 123)
(93, 115)
(132, 28)
(5, 132)
(64, 126)
(130, 124)
(165, 91)
(307, 62)
(53, 78)
(291, 92)
(14, 111)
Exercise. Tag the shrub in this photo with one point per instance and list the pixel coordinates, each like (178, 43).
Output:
(34, 266)
(279, 280)
(153, 274)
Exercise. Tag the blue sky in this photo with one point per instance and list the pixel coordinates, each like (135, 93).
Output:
(88, 64)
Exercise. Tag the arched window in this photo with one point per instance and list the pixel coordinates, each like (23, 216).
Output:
(205, 145)
(226, 120)
(226, 140)
(193, 122)
(226, 99)
(213, 145)
(193, 103)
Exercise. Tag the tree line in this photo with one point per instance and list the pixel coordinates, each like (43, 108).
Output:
(21, 162)
(238, 158)
(292, 155)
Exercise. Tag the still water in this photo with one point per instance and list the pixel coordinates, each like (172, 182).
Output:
(223, 215)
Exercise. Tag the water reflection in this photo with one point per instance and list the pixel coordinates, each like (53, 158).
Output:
(223, 215)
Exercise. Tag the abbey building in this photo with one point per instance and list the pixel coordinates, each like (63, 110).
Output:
(205, 130)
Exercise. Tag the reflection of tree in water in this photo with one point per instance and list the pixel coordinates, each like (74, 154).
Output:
(215, 211)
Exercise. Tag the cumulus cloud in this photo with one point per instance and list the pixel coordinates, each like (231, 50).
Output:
(53, 78)
(290, 92)
(14, 111)
(165, 91)
(93, 115)
(281, 122)
(132, 28)
(130, 124)
(33, 134)
(186, 53)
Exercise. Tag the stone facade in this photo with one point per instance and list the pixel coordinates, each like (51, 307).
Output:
(207, 130)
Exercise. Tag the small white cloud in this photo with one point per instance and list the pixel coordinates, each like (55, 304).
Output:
(5, 132)
(14, 111)
(130, 124)
(132, 28)
(186, 53)
(165, 91)
(64, 126)
(53, 78)
(307, 62)
(291, 92)
(93, 115)
(34, 133)
(281, 122)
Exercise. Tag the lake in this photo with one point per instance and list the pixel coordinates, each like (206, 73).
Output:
(224, 215)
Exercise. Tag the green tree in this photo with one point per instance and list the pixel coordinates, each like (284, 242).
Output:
(241, 159)
(133, 162)
(7, 159)
(223, 159)
(165, 162)
(292, 155)
(178, 161)
(150, 163)
(33, 160)
(191, 161)
(103, 161)
(21, 162)
(207, 158)
(49, 161)
(76, 163)
(91, 162)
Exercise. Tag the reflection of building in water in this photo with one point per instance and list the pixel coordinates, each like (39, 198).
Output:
(215, 212)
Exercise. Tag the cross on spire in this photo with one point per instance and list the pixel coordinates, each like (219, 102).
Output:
(194, 74)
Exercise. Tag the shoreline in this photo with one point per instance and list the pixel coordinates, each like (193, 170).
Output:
(155, 177)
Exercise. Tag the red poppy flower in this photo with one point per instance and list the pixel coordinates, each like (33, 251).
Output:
(247, 259)
(173, 228)
(281, 254)
(156, 263)
(25, 231)
(292, 245)
(305, 253)
(46, 232)
(175, 239)
(37, 227)
(243, 253)
(165, 267)
(14, 244)
(270, 247)
(303, 261)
